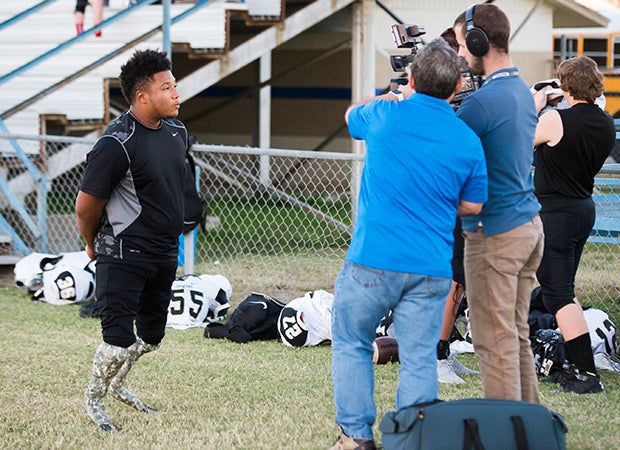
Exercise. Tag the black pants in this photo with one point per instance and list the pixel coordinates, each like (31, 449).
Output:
(567, 223)
(80, 5)
(131, 291)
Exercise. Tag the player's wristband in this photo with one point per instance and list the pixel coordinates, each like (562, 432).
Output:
(399, 95)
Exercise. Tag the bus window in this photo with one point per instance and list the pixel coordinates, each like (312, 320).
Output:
(569, 50)
(596, 48)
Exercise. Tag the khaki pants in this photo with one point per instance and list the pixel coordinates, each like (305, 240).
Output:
(500, 273)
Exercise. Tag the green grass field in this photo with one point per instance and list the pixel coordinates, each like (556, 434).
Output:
(210, 394)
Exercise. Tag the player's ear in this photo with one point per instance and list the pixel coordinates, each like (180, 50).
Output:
(141, 96)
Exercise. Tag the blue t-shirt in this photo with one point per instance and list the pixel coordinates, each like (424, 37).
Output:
(420, 161)
(503, 115)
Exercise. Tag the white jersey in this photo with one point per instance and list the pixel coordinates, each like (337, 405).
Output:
(28, 269)
(219, 281)
(307, 320)
(198, 300)
(66, 285)
(386, 326)
(602, 331)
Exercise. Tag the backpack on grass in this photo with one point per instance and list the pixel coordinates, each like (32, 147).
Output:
(255, 318)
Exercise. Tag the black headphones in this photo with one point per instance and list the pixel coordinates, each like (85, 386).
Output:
(475, 38)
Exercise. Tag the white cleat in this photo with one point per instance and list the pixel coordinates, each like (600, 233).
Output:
(603, 361)
(459, 368)
(446, 374)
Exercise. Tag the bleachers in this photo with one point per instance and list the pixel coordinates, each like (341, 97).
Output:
(606, 228)
(206, 31)
(51, 30)
(607, 199)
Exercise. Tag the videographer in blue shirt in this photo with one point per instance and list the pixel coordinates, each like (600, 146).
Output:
(423, 165)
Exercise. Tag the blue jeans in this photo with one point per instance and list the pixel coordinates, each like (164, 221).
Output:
(362, 296)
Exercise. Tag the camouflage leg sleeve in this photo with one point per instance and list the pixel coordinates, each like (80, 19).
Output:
(107, 362)
(117, 390)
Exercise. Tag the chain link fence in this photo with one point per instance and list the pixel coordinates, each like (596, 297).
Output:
(279, 221)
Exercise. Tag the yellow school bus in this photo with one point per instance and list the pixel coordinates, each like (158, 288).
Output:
(604, 48)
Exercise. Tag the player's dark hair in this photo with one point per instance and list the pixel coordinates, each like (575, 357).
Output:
(139, 70)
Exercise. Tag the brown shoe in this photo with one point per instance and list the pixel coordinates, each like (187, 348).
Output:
(344, 442)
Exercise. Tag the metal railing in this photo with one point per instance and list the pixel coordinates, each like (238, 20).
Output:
(25, 13)
(38, 230)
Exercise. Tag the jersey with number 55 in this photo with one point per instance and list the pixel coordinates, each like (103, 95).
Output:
(198, 300)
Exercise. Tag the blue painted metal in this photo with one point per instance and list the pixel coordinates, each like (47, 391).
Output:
(39, 229)
(22, 155)
(19, 246)
(25, 13)
(167, 44)
(607, 224)
(182, 261)
(19, 208)
(42, 214)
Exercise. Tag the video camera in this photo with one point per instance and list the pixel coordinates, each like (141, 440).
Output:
(405, 36)
(408, 36)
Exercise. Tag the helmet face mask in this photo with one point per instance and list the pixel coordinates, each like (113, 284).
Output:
(218, 308)
(548, 349)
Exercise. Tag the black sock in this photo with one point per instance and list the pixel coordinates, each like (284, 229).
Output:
(443, 350)
(579, 353)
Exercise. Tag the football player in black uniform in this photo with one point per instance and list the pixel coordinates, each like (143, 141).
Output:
(130, 212)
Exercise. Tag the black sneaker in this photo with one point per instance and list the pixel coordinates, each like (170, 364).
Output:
(559, 375)
(581, 382)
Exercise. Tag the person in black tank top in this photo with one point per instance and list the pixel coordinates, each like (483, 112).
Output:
(572, 145)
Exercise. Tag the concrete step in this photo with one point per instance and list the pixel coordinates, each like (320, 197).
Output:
(9, 260)
(7, 257)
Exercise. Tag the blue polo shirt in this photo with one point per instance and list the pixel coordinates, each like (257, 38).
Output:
(421, 159)
(503, 115)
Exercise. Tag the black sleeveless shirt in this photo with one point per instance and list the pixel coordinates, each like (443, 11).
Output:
(568, 168)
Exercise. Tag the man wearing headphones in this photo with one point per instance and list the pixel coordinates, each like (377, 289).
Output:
(504, 243)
